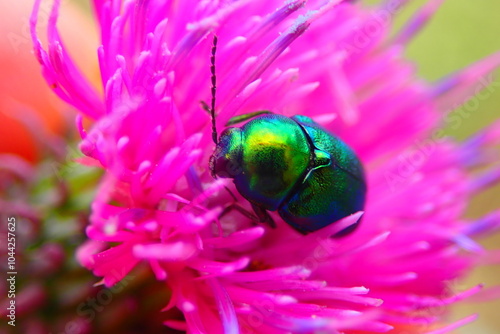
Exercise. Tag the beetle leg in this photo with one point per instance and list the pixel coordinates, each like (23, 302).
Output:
(263, 216)
(260, 216)
(241, 210)
(231, 193)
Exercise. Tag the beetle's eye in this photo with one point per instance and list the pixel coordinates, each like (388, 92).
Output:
(226, 160)
(223, 164)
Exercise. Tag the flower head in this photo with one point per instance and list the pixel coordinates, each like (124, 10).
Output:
(157, 202)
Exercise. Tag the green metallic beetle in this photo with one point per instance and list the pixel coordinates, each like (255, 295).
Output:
(291, 165)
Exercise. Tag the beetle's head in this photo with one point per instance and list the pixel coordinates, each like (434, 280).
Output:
(226, 161)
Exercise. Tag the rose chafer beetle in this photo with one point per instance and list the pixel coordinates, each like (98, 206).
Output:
(291, 165)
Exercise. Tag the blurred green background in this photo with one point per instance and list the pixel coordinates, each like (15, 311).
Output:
(460, 33)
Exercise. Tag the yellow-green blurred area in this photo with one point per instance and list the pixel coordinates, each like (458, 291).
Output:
(461, 33)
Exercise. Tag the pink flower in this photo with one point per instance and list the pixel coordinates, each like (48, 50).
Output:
(331, 61)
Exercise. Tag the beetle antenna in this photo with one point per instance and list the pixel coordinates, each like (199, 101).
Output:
(213, 89)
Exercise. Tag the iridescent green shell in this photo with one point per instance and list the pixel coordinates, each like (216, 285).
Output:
(294, 166)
